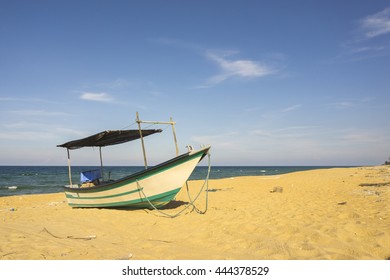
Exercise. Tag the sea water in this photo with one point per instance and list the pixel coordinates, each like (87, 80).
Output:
(18, 180)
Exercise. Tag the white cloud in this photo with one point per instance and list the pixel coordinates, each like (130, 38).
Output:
(37, 113)
(118, 83)
(43, 135)
(226, 140)
(366, 49)
(214, 138)
(99, 97)
(35, 131)
(22, 135)
(28, 100)
(67, 131)
(362, 136)
(287, 133)
(366, 44)
(299, 128)
(351, 103)
(230, 68)
(279, 113)
(9, 99)
(376, 24)
(291, 108)
(237, 68)
(260, 132)
(341, 105)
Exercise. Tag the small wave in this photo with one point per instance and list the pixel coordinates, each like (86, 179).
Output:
(12, 188)
(263, 171)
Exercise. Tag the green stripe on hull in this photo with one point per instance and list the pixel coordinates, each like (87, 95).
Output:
(100, 197)
(157, 200)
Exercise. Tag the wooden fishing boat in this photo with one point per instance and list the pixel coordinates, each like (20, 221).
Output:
(152, 187)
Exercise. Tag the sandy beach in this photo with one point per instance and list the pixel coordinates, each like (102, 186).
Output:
(325, 214)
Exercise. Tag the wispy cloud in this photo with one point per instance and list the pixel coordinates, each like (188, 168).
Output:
(27, 100)
(280, 113)
(341, 105)
(37, 113)
(30, 135)
(224, 140)
(229, 67)
(291, 132)
(301, 127)
(354, 135)
(350, 103)
(35, 131)
(236, 68)
(376, 24)
(291, 108)
(370, 41)
(98, 97)
(359, 50)
(39, 126)
(119, 83)
(260, 132)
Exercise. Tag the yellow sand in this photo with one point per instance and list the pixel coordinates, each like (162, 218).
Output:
(319, 214)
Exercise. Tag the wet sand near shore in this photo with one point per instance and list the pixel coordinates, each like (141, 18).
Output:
(325, 214)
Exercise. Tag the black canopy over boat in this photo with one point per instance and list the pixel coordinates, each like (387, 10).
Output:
(109, 137)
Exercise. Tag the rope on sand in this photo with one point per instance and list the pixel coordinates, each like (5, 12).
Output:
(89, 237)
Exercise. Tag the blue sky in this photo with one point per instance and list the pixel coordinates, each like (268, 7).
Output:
(263, 82)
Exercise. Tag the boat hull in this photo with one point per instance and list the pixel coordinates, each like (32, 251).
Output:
(157, 185)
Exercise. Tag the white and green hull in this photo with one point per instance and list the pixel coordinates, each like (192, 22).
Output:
(157, 185)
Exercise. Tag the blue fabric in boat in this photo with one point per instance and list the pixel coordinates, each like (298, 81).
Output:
(90, 175)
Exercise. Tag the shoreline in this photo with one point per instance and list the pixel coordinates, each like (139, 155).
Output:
(330, 214)
(39, 180)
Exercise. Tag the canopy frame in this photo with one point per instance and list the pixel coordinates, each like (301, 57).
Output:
(171, 122)
(108, 138)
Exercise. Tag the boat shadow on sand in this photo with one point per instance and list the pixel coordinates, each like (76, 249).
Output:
(174, 204)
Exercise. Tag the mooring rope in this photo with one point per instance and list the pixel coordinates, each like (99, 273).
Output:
(191, 203)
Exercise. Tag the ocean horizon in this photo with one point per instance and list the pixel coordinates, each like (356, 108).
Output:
(20, 180)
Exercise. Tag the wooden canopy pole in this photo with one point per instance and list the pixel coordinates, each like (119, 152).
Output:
(142, 141)
(69, 169)
(101, 163)
(174, 137)
(171, 122)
